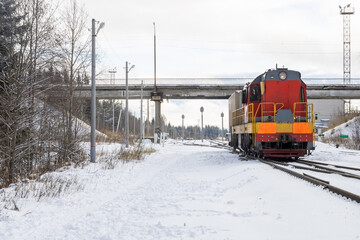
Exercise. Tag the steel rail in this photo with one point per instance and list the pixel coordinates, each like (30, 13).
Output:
(328, 164)
(319, 182)
(214, 146)
(219, 143)
(331, 170)
(301, 167)
(319, 169)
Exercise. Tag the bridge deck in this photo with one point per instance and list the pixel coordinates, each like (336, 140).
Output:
(209, 91)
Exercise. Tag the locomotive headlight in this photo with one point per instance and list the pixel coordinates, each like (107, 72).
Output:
(282, 75)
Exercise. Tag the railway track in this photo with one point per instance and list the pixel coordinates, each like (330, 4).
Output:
(316, 167)
(328, 164)
(213, 143)
(304, 165)
(315, 180)
(218, 144)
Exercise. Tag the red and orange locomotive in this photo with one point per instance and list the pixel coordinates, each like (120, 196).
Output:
(270, 117)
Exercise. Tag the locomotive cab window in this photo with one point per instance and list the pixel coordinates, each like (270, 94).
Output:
(255, 93)
(302, 96)
(244, 96)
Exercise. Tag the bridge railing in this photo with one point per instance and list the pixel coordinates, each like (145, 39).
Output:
(214, 81)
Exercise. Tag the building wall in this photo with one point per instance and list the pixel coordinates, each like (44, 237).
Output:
(327, 108)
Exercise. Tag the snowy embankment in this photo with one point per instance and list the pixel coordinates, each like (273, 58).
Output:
(187, 192)
(350, 128)
(85, 129)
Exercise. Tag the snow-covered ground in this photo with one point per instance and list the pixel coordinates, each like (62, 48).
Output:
(190, 192)
(339, 156)
(348, 128)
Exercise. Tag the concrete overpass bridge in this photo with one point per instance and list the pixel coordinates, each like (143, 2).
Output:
(208, 91)
(210, 88)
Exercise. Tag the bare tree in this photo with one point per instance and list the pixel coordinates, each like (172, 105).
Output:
(37, 135)
(39, 17)
(26, 27)
(73, 42)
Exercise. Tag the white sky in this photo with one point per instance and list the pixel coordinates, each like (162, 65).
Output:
(227, 38)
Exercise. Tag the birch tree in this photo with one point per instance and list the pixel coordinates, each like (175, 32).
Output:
(73, 42)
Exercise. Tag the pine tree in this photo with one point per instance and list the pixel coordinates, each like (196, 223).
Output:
(10, 32)
(11, 129)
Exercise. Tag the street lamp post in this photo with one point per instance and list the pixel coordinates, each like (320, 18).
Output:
(182, 134)
(127, 105)
(112, 81)
(202, 129)
(93, 91)
(134, 123)
(222, 126)
(141, 112)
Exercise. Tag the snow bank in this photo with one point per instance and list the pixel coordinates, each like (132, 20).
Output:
(85, 128)
(348, 128)
(188, 192)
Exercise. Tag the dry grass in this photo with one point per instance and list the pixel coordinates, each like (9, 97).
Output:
(149, 150)
(342, 119)
(51, 185)
(113, 137)
(124, 155)
(48, 186)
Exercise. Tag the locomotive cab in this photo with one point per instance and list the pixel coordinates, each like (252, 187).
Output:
(274, 119)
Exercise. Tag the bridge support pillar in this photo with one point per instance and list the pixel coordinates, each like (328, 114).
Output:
(157, 98)
(158, 117)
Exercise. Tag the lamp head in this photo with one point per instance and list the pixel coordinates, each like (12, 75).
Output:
(131, 68)
(102, 25)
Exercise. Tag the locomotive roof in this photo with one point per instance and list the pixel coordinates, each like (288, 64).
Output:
(273, 74)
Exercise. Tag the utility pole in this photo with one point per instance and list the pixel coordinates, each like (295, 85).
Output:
(134, 122)
(346, 12)
(141, 112)
(147, 125)
(112, 81)
(93, 96)
(104, 116)
(182, 134)
(222, 126)
(154, 58)
(127, 105)
(113, 118)
(93, 91)
(156, 96)
(127, 109)
(119, 119)
(202, 129)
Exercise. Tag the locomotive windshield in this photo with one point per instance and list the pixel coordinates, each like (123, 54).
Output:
(255, 93)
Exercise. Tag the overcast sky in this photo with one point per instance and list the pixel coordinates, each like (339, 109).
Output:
(222, 38)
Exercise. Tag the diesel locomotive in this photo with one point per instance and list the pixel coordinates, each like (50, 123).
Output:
(271, 117)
